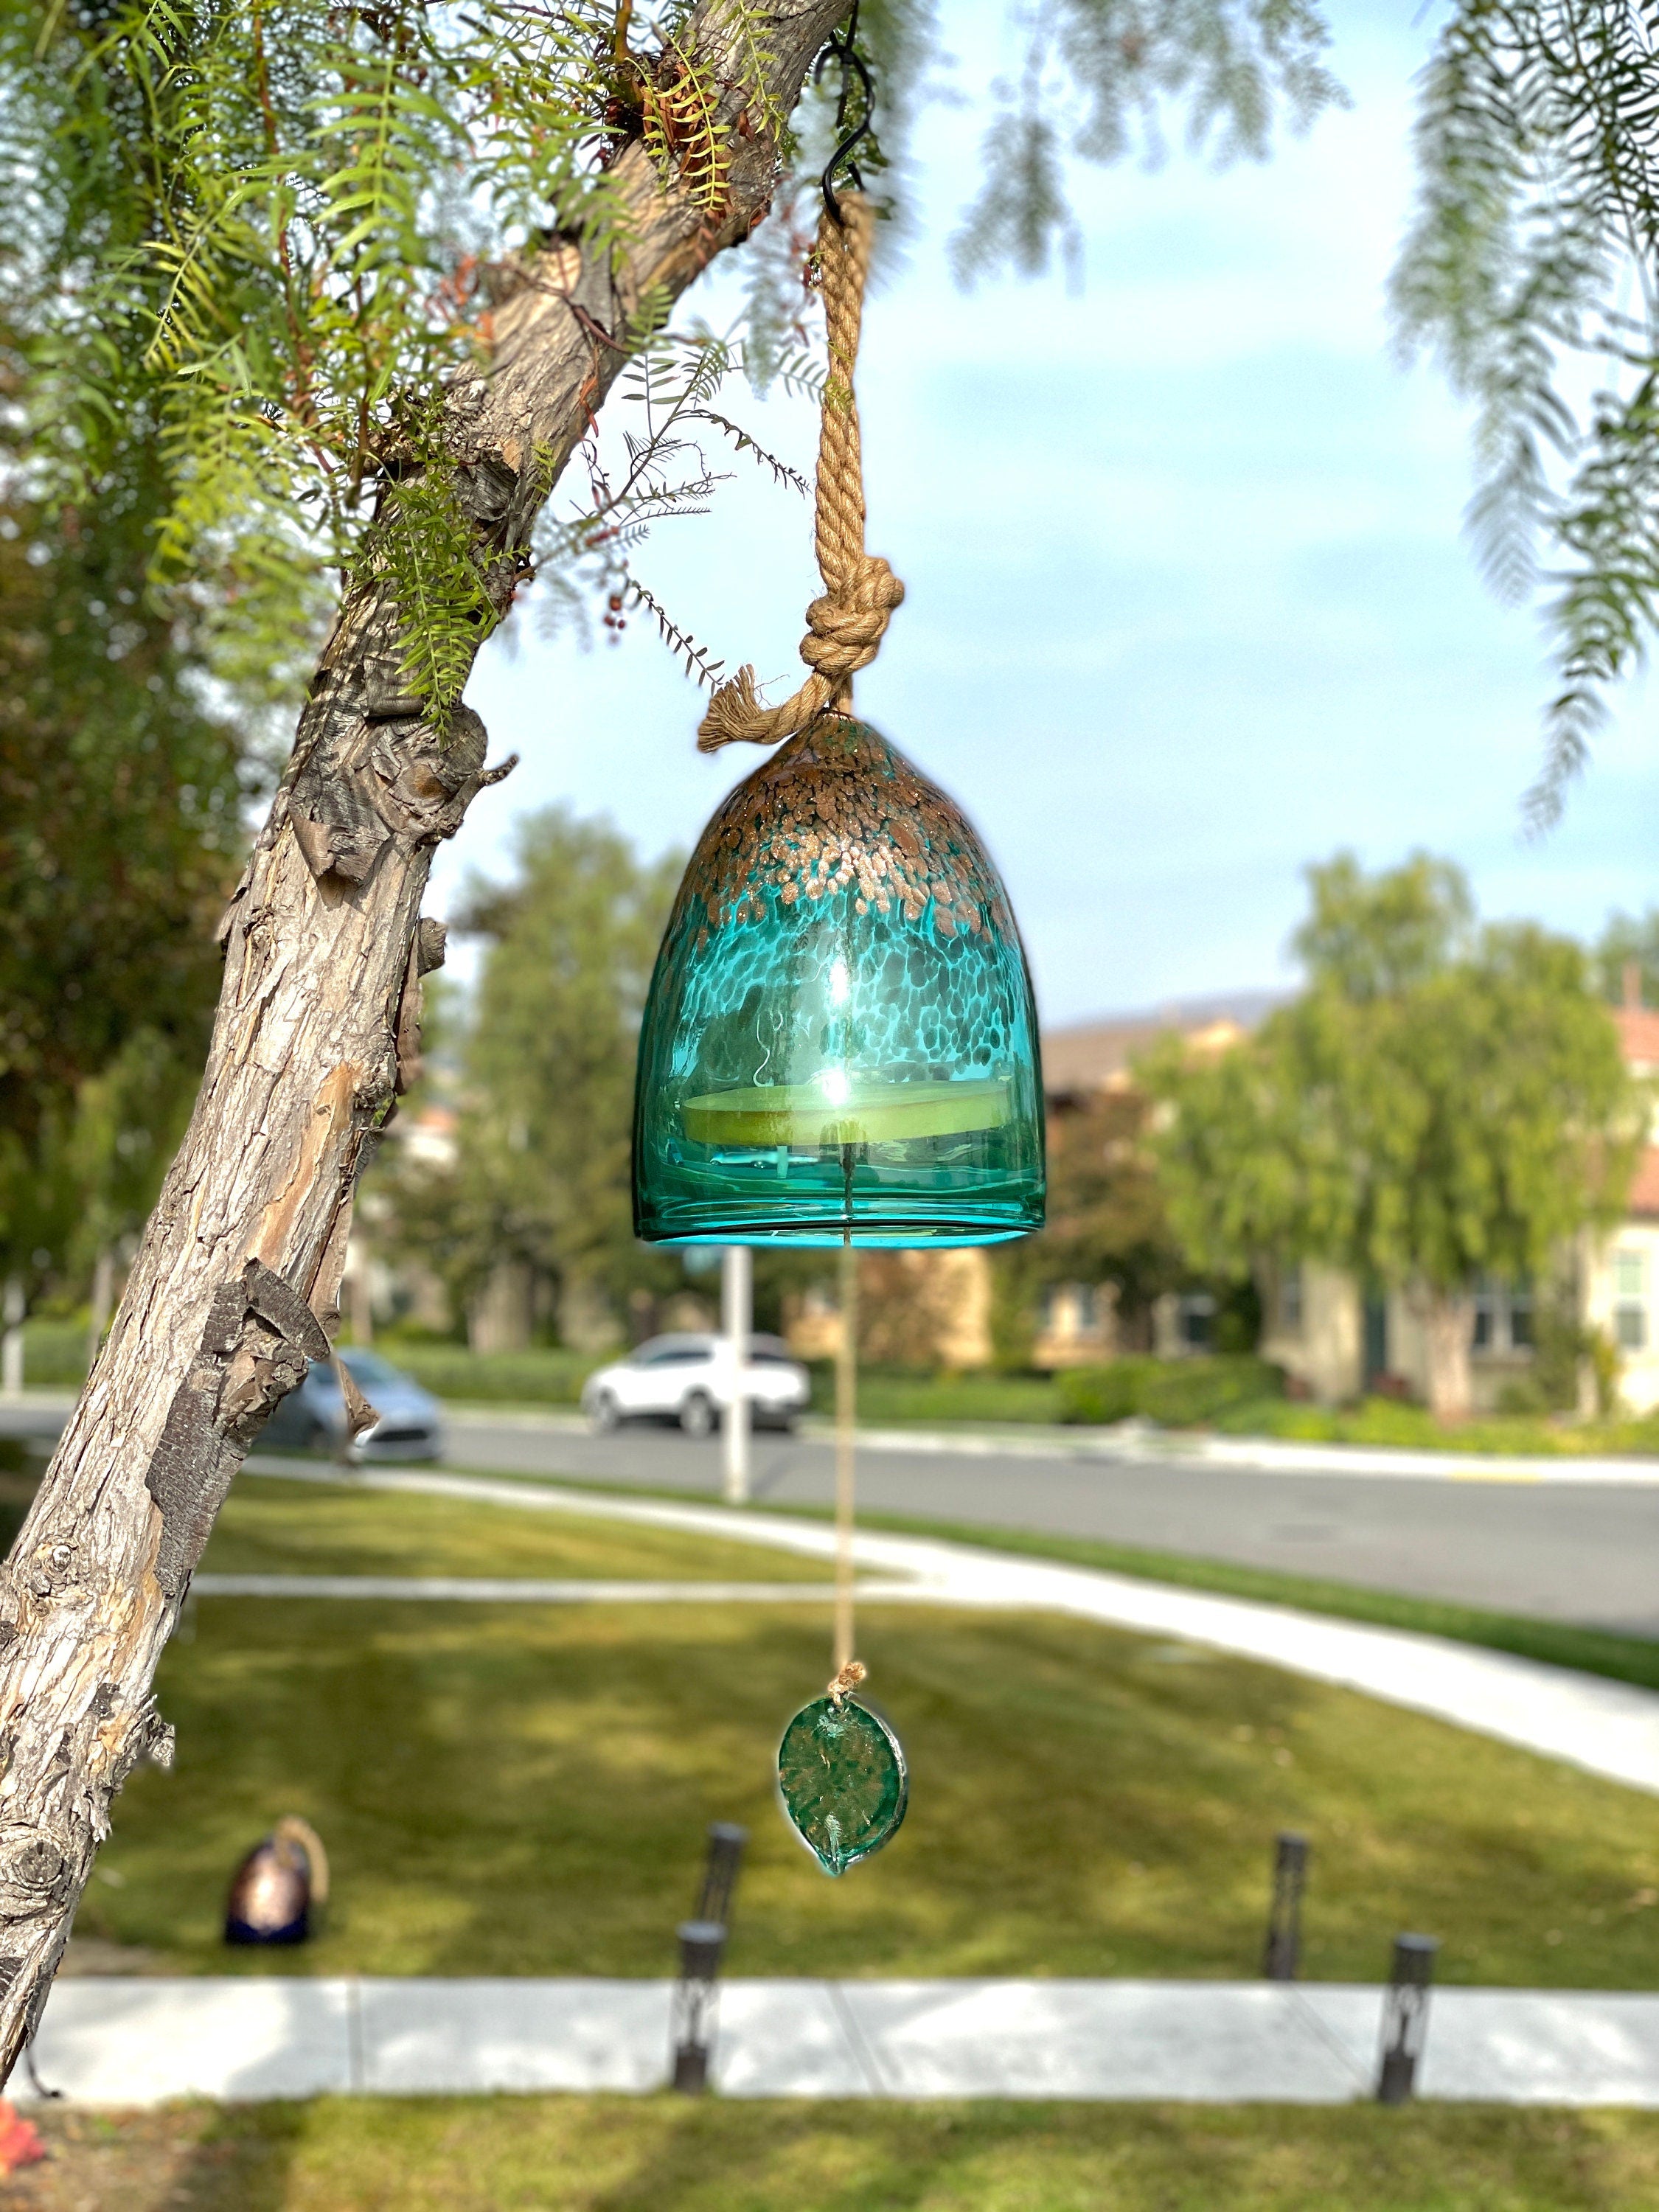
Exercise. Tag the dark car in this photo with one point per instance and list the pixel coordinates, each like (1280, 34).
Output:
(312, 1417)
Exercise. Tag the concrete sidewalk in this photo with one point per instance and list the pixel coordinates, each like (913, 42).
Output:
(140, 2042)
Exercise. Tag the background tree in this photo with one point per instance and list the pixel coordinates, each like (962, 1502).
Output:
(1107, 1224)
(543, 1074)
(1441, 1103)
(121, 835)
(368, 275)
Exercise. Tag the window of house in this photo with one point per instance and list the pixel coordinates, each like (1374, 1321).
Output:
(1503, 1315)
(1088, 1308)
(1197, 1321)
(1630, 1295)
(1289, 1300)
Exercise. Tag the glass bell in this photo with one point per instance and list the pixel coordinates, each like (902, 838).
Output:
(840, 1032)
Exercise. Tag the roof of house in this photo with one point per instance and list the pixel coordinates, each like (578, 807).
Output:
(1096, 1055)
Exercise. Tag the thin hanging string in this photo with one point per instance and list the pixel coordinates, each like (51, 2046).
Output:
(845, 628)
(847, 1355)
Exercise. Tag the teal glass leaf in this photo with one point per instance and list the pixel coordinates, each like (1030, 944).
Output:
(840, 1039)
(843, 1781)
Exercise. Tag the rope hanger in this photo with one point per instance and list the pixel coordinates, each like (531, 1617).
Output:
(847, 623)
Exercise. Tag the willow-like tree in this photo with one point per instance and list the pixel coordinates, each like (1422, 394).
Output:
(363, 277)
(1442, 1102)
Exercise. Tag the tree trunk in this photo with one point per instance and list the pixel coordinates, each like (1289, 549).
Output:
(236, 1281)
(1448, 1323)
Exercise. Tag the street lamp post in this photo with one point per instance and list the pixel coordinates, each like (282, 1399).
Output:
(737, 1319)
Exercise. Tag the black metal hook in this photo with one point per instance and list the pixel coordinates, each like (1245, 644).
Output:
(840, 47)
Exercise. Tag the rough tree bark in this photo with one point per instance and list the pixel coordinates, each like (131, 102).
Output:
(235, 1287)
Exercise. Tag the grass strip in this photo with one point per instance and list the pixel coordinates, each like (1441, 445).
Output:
(529, 2154)
(1558, 1643)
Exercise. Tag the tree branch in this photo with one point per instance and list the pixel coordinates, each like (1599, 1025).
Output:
(236, 1281)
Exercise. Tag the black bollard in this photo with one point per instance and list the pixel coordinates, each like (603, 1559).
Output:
(1282, 1958)
(701, 1942)
(719, 1876)
(1405, 2017)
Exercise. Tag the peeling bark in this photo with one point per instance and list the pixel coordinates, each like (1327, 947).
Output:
(237, 1281)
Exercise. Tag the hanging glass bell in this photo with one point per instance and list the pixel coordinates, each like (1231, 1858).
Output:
(840, 1033)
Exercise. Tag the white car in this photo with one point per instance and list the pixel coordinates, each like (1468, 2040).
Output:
(692, 1379)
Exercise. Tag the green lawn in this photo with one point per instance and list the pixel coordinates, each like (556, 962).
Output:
(517, 1790)
(668, 2154)
(277, 1527)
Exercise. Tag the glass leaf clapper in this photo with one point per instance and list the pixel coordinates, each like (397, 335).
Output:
(843, 1781)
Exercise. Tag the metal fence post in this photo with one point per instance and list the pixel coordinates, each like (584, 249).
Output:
(1405, 2017)
(1282, 1957)
(695, 1998)
(737, 1321)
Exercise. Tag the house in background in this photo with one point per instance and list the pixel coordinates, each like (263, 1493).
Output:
(1078, 1325)
(1338, 1343)
(934, 1309)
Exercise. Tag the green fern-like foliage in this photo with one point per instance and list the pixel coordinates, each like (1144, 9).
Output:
(1097, 75)
(263, 233)
(1532, 268)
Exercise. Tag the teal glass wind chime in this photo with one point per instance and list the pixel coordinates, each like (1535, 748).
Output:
(840, 1043)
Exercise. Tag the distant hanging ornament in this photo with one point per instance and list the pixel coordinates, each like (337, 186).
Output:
(840, 1043)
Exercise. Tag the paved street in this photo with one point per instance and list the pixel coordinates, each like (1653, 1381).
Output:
(1566, 1551)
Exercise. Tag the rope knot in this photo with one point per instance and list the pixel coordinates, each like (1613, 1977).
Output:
(844, 633)
(848, 1679)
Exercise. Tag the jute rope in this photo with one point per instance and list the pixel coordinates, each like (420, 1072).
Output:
(846, 626)
(847, 1355)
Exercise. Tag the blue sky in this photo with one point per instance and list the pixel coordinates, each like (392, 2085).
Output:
(1189, 605)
